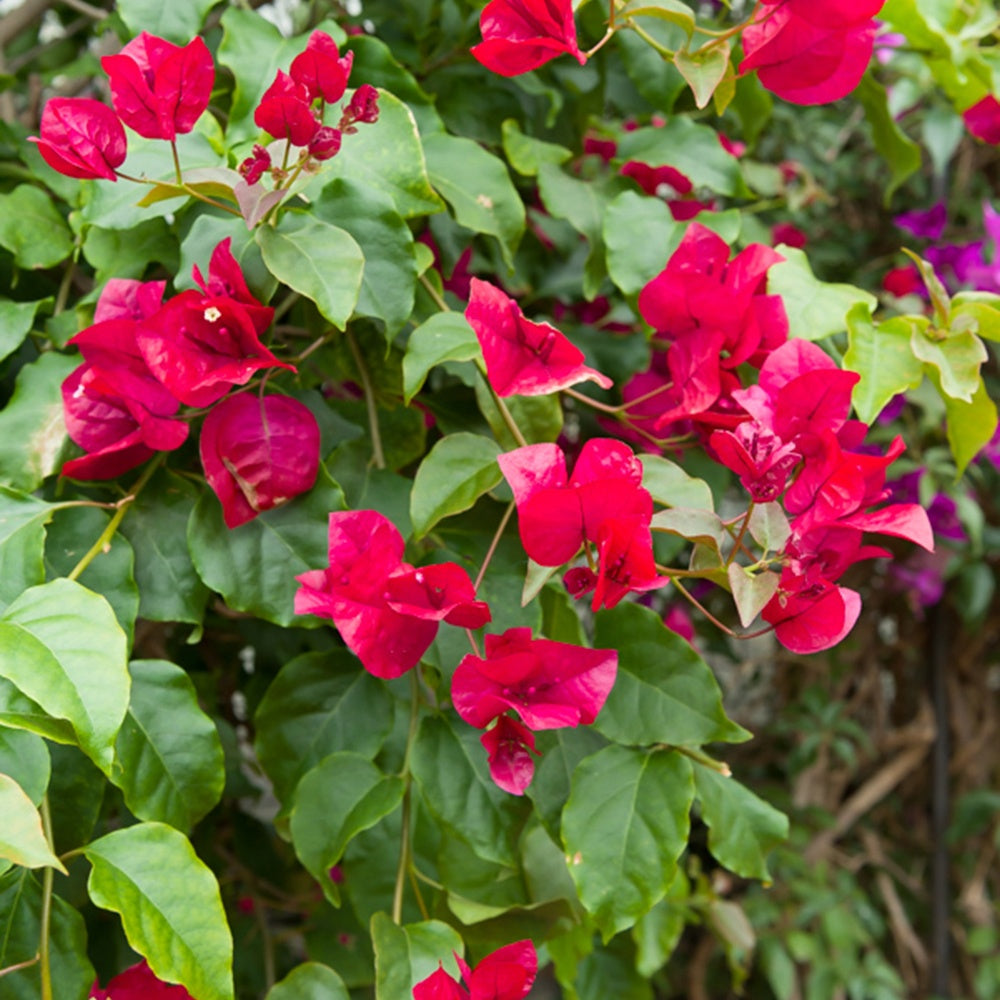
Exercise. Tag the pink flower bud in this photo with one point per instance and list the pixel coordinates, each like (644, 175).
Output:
(81, 138)
(256, 165)
(363, 106)
(325, 143)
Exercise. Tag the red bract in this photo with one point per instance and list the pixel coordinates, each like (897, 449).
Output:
(138, 983)
(510, 746)
(982, 120)
(758, 456)
(523, 358)
(812, 620)
(225, 280)
(160, 89)
(362, 107)
(285, 113)
(386, 610)
(549, 684)
(81, 138)
(521, 35)
(556, 514)
(506, 974)
(126, 298)
(626, 563)
(803, 61)
(198, 346)
(830, 13)
(256, 165)
(321, 69)
(258, 453)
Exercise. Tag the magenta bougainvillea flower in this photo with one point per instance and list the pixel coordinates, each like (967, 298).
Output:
(758, 456)
(523, 358)
(225, 280)
(506, 974)
(625, 561)
(258, 453)
(362, 108)
(81, 138)
(809, 52)
(509, 746)
(982, 119)
(386, 610)
(558, 513)
(521, 35)
(128, 298)
(549, 684)
(285, 111)
(926, 223)
(160, 89)
(321, 69)
(138, 983)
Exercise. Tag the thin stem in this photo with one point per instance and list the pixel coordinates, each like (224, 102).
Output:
(587, 401)
(284, 305)
(701, 607)
(433, 293)
(738, 543)
(123, 505)
(64, 287)
(702, 758)
(26, 964)
(314, 346)
(267, 943)
(185, 188)
(608, 35)
(650, 40)
(473, 643)
(378, 456)
(506, 415)
(418, 895)
(404, 833)
(493, 545)
(81, 7)
(177, 162)
(47, 878)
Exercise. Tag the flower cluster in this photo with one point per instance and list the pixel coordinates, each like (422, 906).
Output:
(521, 35)
(506, 974)
(810, 51)
(145, 357)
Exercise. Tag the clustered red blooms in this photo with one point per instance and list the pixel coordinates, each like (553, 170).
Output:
(144, 358)
(138, 982)
(810, 51)
(551, 685)
(521, 35)
(505, 974)
(293, 107)
(386, 610)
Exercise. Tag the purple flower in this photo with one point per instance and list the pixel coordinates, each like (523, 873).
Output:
(927, 223)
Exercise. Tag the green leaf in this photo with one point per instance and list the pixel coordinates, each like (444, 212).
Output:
(342, 795)
(881, 354)
(126, 253)
(703, 69)
(640, 234)
(539, 418)
(389, 157)
(742, 828)
(170, 589)
(390, 269)
(405, 956)
(689, 147)
(450, 767)
(816, 309)
(675, 11)
(25, 758)
(896, 148)
(32, 429)
(665, 692)
(322, 262)
(478, 188)
(624, 827)
(254, 566)
(670, 485)
(21, 906)
(32, 229)
(978, 312)
(751, 591)
(956, 359)
(318, 704)
(168, 748)
(177, 22)
(61, 646)
(22, 542)
(169, 903)
(310, 981)
(657, 932)
(22, 839)
(16, 321)
(970, 424)
(457, 471)
(446, 336)
(70, 535)
(203, 237)
(769, 526)
(694, 524)
(525, 153)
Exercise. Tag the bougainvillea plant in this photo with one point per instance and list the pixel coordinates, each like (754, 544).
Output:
(378, 392)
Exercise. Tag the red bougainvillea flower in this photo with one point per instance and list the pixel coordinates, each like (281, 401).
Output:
(321, 69)
(225, 280)
(160, 89)
(386, 610)
(813, 619)
(982, 120)
(138, 983)
(802, 60)
(258, 453)
(285, 111)
(506, 974)
(523, 358)
(626, 564)
(81, 138)
(521, 35)
(255, 165)
(362, 108)
(127, 298)
(830, 13)
(758, 456)
(549, 684)
(556, 513)
(510, 746)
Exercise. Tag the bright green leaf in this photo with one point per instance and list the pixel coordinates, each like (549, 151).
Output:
(446, 336)
(675, 11)
(896, 148)
(956, 360)
(32, 229)
(22, 542)
(970, 424)
(169, 903)
(640, 234)
(178, 22)
(624, 827)
(769, 526)
(457, 471)
(25, 758)
(694, 524)
(703, 69)
(657, 932)
(664, 692)
(525, 153)
(751, 591)
(670, 485)
(22, 839)
(310, 981)
(405, 956)
(16, 321)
